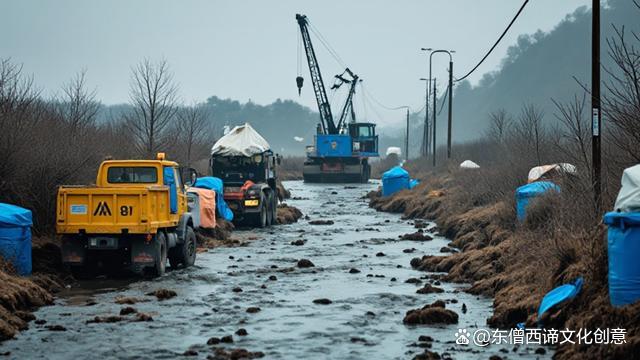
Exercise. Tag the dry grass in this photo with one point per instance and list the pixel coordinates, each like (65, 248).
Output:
(517, 264)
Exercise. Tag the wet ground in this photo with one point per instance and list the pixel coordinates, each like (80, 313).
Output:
(363, 320)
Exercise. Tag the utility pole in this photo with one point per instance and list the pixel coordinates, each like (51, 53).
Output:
(448, 52)
(406, 139)
(424, 151)
(434, 122)
(450, 108)
(595, 105)
(425, 135)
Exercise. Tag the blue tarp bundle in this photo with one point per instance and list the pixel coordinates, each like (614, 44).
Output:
(216, 184)
(15, 237)
(559, 295)
(525, 192)
(394, 179)
(623, 240)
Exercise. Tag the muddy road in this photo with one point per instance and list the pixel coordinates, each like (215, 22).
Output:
(362, 321)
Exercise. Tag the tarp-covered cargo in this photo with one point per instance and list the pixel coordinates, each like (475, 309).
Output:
(628, 199)
(216, 184)
(202, 205)
(546, 172)
(15, 237)
(394, 179)
(242, 140)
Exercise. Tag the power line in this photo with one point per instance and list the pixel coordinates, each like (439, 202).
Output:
(497, 42)
(446, 95)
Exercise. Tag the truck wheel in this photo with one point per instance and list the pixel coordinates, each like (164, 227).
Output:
(160, 255)
(261, 217)
(184, 254)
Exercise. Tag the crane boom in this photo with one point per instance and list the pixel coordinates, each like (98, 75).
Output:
(326, 118)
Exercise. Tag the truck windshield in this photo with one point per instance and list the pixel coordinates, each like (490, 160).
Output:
(238, 169)
(128, 175)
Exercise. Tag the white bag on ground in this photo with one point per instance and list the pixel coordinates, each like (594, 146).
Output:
(468, 164)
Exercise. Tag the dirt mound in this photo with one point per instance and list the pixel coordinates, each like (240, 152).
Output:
(431, 314)
(429, 289)
(416, 236)
(305, 263)
(163, 294)
(287, 214)
(235, 354)
(216, 237)
(321, 222)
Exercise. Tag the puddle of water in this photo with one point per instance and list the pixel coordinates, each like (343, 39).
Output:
(363, 321)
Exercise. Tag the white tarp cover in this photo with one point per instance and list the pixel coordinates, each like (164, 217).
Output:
(468, 164)
(629, 196)
(539, 171)
(394, 150)
(242, 140)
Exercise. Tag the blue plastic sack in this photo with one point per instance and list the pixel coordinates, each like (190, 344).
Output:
(526, 192)
(558, 295)
(216, 184)
(413, 183)
(394, 180)
(623, 240)
(15, 237)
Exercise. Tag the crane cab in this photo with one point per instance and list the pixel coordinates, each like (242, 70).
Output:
(364, 139)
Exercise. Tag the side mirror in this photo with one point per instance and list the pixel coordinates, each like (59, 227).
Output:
(279, 159)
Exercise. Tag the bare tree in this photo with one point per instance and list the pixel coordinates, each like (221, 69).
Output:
(78, 107)
(154, 98)
(575, 133)
(19, 113)
(622, 101)
(530, 131)
(500, 125)
(192, 126)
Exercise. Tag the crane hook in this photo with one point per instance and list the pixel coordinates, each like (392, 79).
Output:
(299, 81)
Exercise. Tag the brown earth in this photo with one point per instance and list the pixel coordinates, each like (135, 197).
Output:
(19, 296)
(287, 214)
(517, 265)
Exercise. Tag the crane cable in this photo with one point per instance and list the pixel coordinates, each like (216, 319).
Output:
(496, 43)
(326, 44)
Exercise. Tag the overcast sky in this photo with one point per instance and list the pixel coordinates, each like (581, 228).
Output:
(245, 49)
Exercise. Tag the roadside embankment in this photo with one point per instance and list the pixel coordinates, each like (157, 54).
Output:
(517, 264)
(19, 296)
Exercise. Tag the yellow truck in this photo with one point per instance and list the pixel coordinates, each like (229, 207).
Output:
(134, 217)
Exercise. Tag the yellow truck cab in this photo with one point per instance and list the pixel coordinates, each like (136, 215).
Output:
(135, 216)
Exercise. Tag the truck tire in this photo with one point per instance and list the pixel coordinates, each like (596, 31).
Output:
(259, 219)
(160, 255)
(184, 254)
